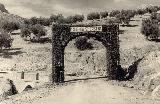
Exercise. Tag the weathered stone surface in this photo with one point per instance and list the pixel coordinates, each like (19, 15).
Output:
(62, 35)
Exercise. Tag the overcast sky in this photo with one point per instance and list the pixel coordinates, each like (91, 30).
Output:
(29, 8)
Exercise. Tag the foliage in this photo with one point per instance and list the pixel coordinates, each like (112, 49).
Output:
(114, 13)
(125, 16)
(5, 39)
(152, 9)
(25, 31)
(104, 14)
(10, 26)
(34, 20)
(155, 16)
(141, 11)
(93, 15)
(82, 44)
(150, 28)
(57, 18)
(38, 30)
(70, 19)
(74, 19)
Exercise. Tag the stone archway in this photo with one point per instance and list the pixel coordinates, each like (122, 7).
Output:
(103, 32)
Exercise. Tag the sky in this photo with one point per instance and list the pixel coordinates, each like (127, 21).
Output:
(44, 8)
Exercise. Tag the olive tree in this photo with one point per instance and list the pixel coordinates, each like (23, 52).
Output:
(93, 15)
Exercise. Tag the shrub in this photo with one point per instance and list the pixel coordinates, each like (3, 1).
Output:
(25, 31)
(57, 18)
(155, 16)
(38, 30)
(152, 9)
(34, 20)
(10, 26)
(114, 13)
(74, 19)
(141, 11)
(125, 16)
(150, 28)
(82, 44)
(5, 39)
(104, 14)
(92, 16)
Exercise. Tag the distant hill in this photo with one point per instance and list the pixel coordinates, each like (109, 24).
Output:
(6, 16)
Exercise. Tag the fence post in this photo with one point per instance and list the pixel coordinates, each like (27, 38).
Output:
(22, 75)
(37, 76)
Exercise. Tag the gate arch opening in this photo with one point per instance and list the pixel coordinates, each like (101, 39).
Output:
(105, 33)
(85, 64)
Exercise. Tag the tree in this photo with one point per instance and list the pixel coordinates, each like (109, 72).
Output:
(74, 19)
(125, 16)
(5, 39)
(82, 44)
(25, 31)
(38, 30)
(141, 11)
(33, 20)
(104, 14)
(150, 29)
(43, 21)
(10, 26)
(114, 13)
(57, 18)
(152, 9)
(92, 16)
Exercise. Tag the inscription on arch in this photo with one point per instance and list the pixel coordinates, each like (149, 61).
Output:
(106, 33)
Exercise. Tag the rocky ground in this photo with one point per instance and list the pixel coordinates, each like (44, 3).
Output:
(142, 89)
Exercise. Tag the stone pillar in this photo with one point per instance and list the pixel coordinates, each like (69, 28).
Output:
(57, 55)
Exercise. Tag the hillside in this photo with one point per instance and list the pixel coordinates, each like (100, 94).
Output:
(6, 16)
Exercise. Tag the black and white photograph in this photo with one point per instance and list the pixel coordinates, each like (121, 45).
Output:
(79, 51)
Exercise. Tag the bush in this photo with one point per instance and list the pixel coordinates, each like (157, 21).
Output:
(104, 14)
(82, 44)
(34, 20)
(10, 26)
(5, 39)
(92, 16)
(125, 16)
(114, 13)
(57, 18)
(152, 9)
(25, 31)
(37, 30)
(150, 28)
(141, 11)
(155, 16)
(74, 19)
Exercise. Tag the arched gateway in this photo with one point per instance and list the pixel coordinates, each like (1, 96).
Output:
(101, 31)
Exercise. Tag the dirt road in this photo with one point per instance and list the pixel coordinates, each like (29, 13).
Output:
(95, 92)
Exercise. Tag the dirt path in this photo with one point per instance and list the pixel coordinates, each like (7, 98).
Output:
(95, 92)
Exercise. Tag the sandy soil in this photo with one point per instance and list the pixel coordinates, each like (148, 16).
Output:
(133, 46)
(93, 91)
